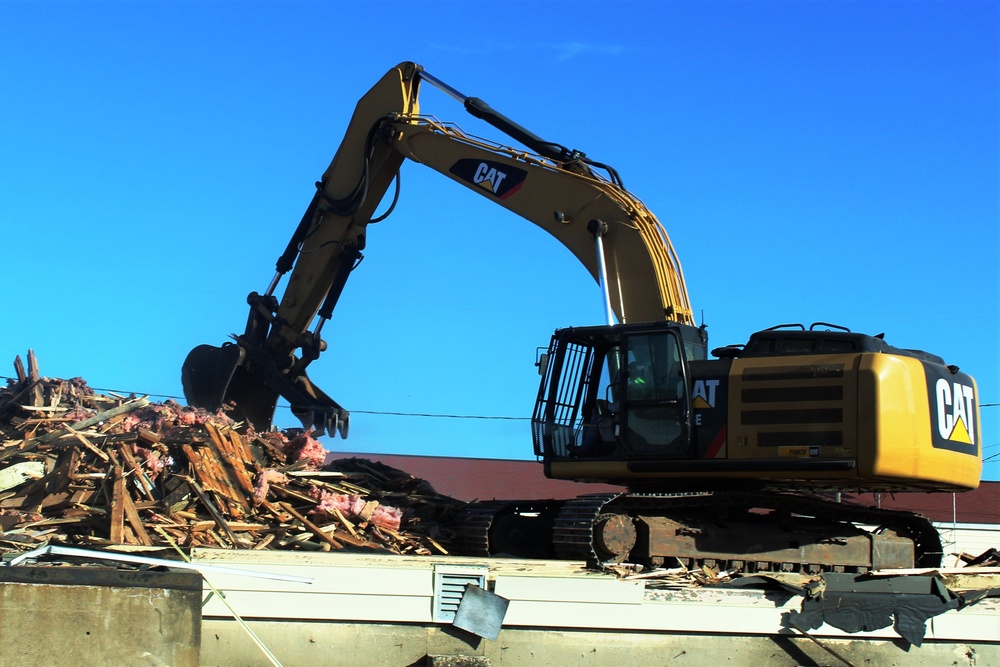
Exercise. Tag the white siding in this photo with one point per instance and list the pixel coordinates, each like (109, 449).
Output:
(968, 538)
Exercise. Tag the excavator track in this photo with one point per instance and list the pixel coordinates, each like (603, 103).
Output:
(473, 527)
(744, 531)
(573, 532)
(503, 527)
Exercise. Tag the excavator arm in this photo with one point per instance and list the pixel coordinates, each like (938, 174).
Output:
(618, 240)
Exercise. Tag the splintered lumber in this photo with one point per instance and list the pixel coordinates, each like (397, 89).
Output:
(312, 527)
(83, 468)
(33, 376)
(129, 460)
(214, 511)
(117, 531)
(99, 453)
(79, 426)
(235, 457)
(209, 470)
(135, 522)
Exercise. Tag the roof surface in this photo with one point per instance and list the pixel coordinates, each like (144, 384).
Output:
(489, 479)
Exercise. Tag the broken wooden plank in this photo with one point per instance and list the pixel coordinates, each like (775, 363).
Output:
(19, 369)
(78, 426)
(117, 518)
(37, 397)
(147, 435)
(96, 451)
(207, 468)
(292, 493)
(136, 470)
(214, 511)
(64, 471)
(232, 459)
(135, 522)
(313, 528)
(344, 522)
(264, 542)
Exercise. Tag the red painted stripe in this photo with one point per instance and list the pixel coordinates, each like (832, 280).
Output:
(713, 451)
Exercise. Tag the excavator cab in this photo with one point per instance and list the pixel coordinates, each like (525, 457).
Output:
(617, 392)
(641, 405)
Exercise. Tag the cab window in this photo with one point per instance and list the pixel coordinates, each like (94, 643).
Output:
(654, 369)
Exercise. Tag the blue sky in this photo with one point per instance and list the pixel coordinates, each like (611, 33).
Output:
(812, 161)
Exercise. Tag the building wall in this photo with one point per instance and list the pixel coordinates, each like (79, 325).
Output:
(968, 538)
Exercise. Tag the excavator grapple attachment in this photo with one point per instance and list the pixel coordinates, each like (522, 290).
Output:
(230, 374)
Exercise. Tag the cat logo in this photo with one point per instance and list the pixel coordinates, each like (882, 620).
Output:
(703, 394)
(488, 177)
(495, 178)
(955, 411)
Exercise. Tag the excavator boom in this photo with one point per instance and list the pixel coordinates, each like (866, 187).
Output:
(559, 189)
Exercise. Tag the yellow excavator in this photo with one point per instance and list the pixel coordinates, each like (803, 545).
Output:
(735, 461)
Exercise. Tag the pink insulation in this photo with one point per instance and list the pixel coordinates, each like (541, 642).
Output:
(153, 460)
(354, 507)
(305, 447)
(263, 483)
(169, 417)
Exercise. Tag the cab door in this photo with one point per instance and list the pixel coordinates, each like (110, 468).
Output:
(656, 415)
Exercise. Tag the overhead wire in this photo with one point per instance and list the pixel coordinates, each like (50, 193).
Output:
(391, 413)
(438, 415)
(430, 415)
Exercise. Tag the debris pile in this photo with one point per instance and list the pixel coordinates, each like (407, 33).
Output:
(88, 469)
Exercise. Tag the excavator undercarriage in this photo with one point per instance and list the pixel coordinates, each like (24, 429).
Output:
(735, 531)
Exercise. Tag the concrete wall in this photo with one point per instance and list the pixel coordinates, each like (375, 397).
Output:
(361, 609)
(98, 616)
(225, 644)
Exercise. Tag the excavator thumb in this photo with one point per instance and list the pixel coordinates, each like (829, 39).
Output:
(213, 376)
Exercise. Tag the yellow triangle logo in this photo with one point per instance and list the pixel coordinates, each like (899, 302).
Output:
(960, 433)
(700, 402)
(486, 185)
